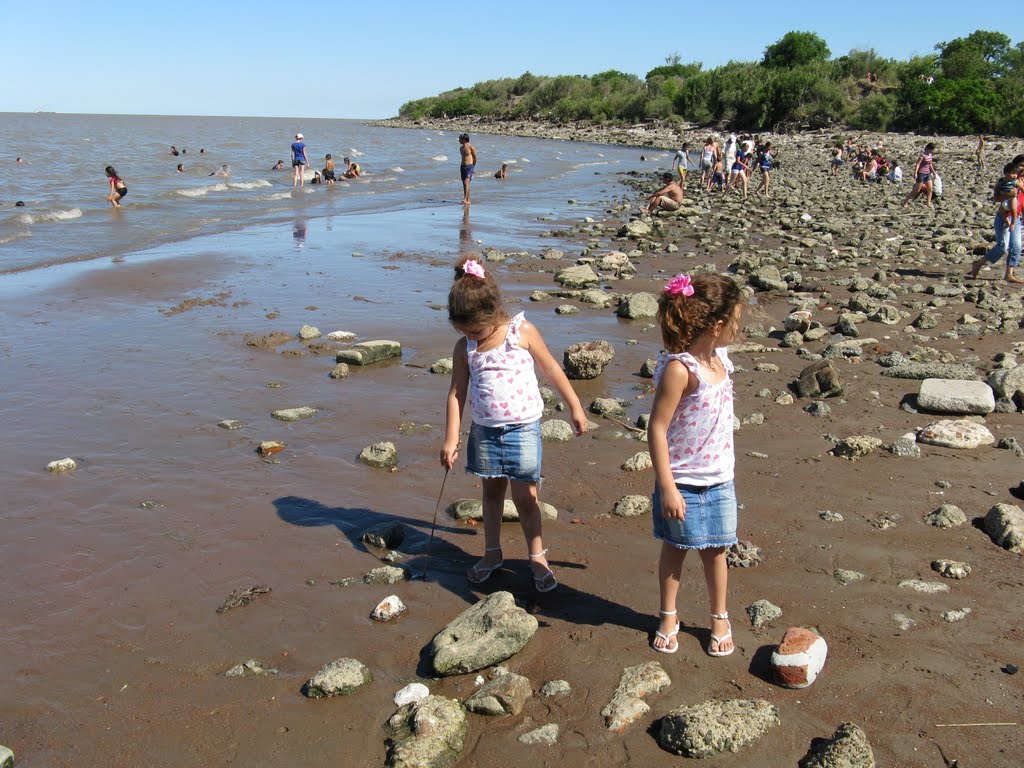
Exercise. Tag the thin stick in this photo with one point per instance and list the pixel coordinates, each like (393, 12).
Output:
(967, 725)
(624, 424)
(433, 526)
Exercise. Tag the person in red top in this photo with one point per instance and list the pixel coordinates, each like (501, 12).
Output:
(118, 188)
(1008, 236)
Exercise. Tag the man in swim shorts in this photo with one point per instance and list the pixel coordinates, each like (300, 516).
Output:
(467, 165)
(668, 198)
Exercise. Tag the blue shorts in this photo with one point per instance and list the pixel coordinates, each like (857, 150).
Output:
(466, 171)
(710, 517)
(512, 451)
(924, 178)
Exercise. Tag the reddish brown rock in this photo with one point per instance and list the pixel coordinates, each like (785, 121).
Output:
(799, 657)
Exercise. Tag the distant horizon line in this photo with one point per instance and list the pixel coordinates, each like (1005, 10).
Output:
(154, 114)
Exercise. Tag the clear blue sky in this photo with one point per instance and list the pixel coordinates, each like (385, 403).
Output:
(361, 60)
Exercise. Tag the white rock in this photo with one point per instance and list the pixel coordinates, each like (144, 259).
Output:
(958, 433)
(61, 465)
(341, 336)
(389, 608)
(308, 332)
(953, 396)
(411, 694)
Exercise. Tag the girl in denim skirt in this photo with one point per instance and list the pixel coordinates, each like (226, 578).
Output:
(493, 366)
(691, 444)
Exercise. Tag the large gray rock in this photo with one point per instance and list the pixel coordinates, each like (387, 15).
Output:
(6, 757)
(848, 748)
(426, 734)
(635, 229)
(381, 455)
(856, 447)
(557, 431)
(720, 725)
(339, 678)
(913, 370)
(546, 735)
(635, 684)
(504, 695)
(581, 276)
(588, 359)
(946, 516)
(820, 379)
(763, 612)
(638, 305)
(956, 396)
(633, 505)
(370, 352)
(1005, 524)
(958, 433)
(1008, 382)
(473, 509)
(617, 262)
(487, 633)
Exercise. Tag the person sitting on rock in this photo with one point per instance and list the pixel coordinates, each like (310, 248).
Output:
(668, 198)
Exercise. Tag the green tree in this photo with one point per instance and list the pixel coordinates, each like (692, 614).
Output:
(796, 49)
(978, 56)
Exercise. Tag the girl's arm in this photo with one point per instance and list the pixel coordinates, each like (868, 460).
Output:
(454, 404)
(675, 383)
(552, 371)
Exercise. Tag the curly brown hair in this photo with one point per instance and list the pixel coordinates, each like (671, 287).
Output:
(683, 319)
(474, 301)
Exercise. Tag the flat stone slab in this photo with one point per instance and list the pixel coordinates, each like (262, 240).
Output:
(958, 433)
(956, 396)
(920, 371)
(473, 509)
(370, 352)
(294, 414)
(724, 725)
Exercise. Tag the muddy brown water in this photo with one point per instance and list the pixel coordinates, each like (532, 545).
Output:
(111, 650)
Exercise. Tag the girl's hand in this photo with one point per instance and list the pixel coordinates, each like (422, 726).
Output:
(579, 421)
(672, 505)
(449, 453)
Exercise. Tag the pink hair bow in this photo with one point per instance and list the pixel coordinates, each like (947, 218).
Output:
(474, 268)
(680, 284)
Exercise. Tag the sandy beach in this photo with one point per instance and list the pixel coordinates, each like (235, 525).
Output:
(113, 651)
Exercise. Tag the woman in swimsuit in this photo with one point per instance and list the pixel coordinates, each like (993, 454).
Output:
(118, 188)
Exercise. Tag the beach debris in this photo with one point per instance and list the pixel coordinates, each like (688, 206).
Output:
(956, 396)
(1004, 523)
(473, 509)
(370, 352)
(431, 732)
(269, 447)
(743, 554)
(799, 658)
(62, 465)
(294, 414)
(856, 447)
(762, 612)
(339, 678)
(546, 735)
(388, 609)
(951, 569)
(242, 597)
(633, 505)
(820, 379)
(308, 333)
(946, 516)
(635, 684)
(381, 455)
(483, 635)
(556, 431)
(719, 725)
(848, 747)
(230, 424)
(384, 535)
(554, 688)
(250, 668)
(386, 574)
(340, 371)
(587, 359)
(638, 305)
(506, 694)
(413, 693)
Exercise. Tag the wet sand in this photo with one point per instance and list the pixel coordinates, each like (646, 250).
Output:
(112, 651)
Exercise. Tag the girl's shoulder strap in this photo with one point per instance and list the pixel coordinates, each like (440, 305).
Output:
(723, 355)
(514, 326)
(688, 361)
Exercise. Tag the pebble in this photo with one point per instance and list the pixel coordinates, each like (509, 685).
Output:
(951, 569)
(956, 615)
(294, 414)
(546, 735)
(927, 587)
(62, 465)
(555, 688)
(230, 424)
(388, 609)
(830, 517)
(411, 694)
(846, 577)
(762, 612)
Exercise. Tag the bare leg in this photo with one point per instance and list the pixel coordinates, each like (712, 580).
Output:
(465, 192)
(670, 569)
(716, 574)
(524, 496)
(493, 489)
(930, 188)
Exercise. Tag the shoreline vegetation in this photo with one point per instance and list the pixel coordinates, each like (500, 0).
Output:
(971, 85)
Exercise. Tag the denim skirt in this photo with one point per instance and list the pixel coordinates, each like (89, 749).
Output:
(710, 517)
(512, 451)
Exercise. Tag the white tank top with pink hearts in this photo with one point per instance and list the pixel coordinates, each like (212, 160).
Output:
(502, 382)
(700, 435)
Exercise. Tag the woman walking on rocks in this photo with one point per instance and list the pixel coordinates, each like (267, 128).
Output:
(923, 173)
(691, 443)
(493, 367)
(1007, 228)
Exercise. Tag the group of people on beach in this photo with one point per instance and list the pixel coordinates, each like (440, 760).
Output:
(300, 162)
(689, 433)
(866, 163)
(1008, 195)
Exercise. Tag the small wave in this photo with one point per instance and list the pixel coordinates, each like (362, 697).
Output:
(355, 152)
(28, 218)
(440, 158)
(510, 162)
(258, 184)
(201, 191)
(275, 196)
(524, 159)
(15, 236)
(397, 169)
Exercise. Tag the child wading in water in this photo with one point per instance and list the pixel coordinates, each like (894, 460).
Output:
(494, 367)
(118, 188)
(691, 444)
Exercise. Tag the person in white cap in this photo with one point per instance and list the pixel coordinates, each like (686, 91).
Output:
(299, 161)
(730, 151)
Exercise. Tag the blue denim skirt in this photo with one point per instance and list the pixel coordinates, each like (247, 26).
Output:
(512, 451)
(710, 517)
